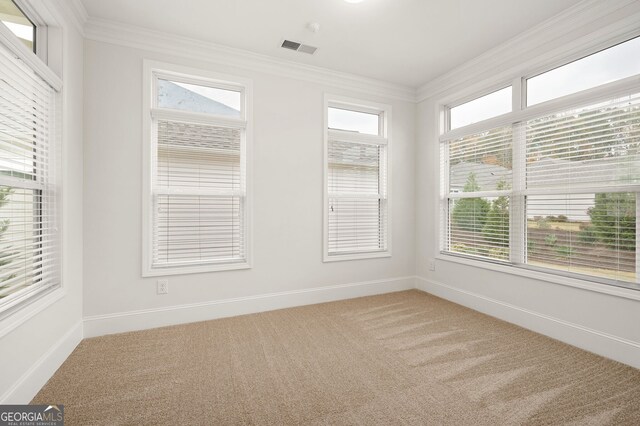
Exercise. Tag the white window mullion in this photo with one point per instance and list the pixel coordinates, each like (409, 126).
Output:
(197, 118)
(445, 234)
(637, 237)
(518, 219)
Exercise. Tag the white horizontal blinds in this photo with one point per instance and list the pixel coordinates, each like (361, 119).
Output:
(592, 234)
(583, 171)
(597, 146)
(199, 194)
(198, 156)
(357, 218)
(479, 191)
(28, 240)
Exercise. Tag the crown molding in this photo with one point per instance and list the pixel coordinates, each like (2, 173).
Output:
(112, 32)
(553, 39)
(80, 14)
(70, 11)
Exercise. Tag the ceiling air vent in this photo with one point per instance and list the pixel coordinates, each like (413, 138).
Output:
(299, 47)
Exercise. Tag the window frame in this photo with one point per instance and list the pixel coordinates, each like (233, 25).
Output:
(521, 113)
(383, 137)
(152, 70)
(36, 300)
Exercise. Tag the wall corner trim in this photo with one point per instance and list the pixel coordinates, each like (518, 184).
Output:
(30, 383)
(600, 343)
(98, 325)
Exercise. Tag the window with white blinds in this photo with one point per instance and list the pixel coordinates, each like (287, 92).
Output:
(198, 182)
(479, 184)
(29, 244)
(356, 196)
(553, 186)
(582, 175)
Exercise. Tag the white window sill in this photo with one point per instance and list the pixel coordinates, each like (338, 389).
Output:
(29, 309)
(356, 256)
(196, 269)
(550, 277)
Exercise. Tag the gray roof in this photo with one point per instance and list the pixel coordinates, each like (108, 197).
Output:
(177, 97)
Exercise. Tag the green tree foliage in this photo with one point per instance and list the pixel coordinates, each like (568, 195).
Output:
(613, 218)
(496, 227)
(470, 214)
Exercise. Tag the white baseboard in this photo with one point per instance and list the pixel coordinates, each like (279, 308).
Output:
(27, 386)
(99, 325)
(607, 345)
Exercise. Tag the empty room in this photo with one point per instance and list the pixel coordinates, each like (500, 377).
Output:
(319, 212)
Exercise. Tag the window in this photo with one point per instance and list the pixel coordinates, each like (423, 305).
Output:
(29, 244)
(612, 64)
(197, 205)
(18, 23)
(356, 195)
(555, 188)
(488, 106)
(479, 192)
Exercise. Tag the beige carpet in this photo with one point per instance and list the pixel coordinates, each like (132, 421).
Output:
(401, 358)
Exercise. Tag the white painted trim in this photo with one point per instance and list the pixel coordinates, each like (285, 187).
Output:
(345, 136)
(551, 276)
(98, 325)
(79, 13)
(195, 269)
(28, 385)
(72, 12)
(604, 344)
(16, 47)
(184, 47)
(197, 118)
(29, 309)
(356, 256)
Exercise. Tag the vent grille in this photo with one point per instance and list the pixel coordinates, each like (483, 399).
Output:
(288, 44)
(299, 47)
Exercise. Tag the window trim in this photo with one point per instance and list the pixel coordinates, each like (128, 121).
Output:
(384, 137)
(36, 62)
(521, 113)
(39, 61)
(151, 69)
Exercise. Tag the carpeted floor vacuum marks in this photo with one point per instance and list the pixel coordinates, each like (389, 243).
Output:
(401, 358)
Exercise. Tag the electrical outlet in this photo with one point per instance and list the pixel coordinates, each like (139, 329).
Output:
(163, 286)
(432, 264)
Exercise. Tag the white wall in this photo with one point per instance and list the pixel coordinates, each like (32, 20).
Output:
(287, 229)
(603, 323)
(35, 348)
